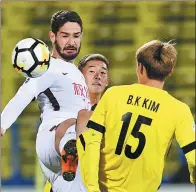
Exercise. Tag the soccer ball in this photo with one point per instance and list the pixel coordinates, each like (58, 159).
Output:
(31, 57)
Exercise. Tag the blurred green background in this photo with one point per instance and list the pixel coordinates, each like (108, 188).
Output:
(114, 29)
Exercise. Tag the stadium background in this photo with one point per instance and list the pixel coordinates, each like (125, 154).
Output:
(114, 29)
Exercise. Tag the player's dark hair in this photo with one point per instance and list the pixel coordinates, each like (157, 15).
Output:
(158, 58)
(61, 17)
(94, 56)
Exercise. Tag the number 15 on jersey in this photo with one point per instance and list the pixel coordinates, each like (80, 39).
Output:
(126, 118)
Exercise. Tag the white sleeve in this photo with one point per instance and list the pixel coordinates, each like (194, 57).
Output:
(31, 88)
(16, 105)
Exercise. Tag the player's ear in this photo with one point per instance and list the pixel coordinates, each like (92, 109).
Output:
(52, 37)
(141, 68)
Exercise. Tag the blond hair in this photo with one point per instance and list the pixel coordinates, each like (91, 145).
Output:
(158, 58)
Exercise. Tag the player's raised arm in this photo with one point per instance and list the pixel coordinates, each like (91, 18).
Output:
(185, 135)
(25, 94)
(16, 105)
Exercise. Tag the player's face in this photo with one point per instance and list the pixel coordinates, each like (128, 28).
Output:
(68, 41)
(96, 76)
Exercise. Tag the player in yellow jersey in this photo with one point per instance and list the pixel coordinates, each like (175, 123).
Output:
(133, 126)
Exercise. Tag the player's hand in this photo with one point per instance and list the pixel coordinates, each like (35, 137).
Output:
(2, 132)
(82, 120)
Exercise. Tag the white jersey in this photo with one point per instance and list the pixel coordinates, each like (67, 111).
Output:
(61, 92)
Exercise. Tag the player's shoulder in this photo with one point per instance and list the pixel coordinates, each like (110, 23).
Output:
(178, 104)
(54, 68)
(58, 65)
(115, 91)
(180, 109)
(48, 75)
(55, 63)
(111, 90)
(117, 88)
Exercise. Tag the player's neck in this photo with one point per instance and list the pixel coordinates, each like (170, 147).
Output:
(94, 98)
(56, 55)
(154, 83)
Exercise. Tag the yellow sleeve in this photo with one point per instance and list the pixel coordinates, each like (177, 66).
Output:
(185, 135)
(81, 145)
(92, 156)
(93, 138)
(47, 187)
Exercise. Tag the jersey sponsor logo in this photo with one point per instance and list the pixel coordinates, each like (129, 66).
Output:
(64, 73)
(194, 126)
(80, 90)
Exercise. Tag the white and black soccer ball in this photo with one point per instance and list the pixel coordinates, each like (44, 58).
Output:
(31, 57)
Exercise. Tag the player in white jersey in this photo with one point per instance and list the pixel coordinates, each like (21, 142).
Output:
(94, 67)
(61, 93)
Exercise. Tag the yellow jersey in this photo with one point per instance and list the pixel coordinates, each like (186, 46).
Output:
(47, 187)
(129, 134)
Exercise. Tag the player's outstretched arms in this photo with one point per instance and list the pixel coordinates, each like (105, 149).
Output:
(30, 89)
(82, 120)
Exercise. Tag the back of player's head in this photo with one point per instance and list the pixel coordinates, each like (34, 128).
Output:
(158, 58)
(93, 56)
(61, 17)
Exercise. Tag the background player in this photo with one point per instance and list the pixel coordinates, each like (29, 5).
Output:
(94, 67)
(133, 126)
